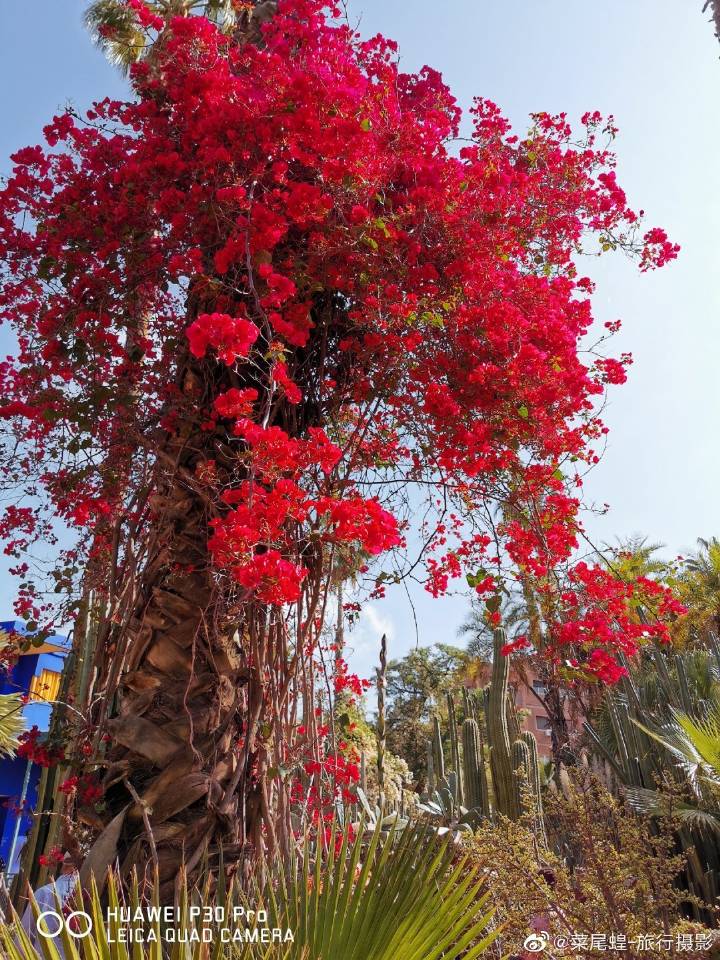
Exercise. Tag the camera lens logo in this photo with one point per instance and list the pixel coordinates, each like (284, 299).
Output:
(50, 924)
(537, 942)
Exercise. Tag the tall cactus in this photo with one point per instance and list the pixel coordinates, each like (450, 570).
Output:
(486, 713)
(437, 750)
(535, 785)
(469, 705)
(430, 764)
(520, 778)
(501, 763)
(454, 748)
(476, 786)
(381, 691)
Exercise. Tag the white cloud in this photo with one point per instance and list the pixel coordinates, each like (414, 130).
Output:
(363, 640)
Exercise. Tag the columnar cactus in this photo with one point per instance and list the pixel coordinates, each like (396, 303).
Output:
(454, 748)
(514, 765)
(497, 724)
(430, 764)
(476, 787)
(486, 713)
(469, 705)
(535, 785)
(381, 691)
(520, 778)
(437, 750)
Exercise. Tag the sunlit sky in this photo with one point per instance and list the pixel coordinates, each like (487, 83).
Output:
(653, 64)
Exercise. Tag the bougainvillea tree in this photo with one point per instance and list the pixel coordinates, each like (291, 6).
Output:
(267, 313)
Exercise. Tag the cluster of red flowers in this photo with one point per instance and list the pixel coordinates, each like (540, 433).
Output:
(231, 337)
(52, 858)
(600, 619)
(331, 776)
(346, 683)
(86, 791)
(32, 747)
(362, 303)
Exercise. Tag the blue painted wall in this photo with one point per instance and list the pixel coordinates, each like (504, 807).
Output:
(13, 770)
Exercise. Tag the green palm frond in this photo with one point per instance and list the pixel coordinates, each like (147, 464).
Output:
(406, 898)
(12, 723)
(401, 899)
(650, 803)
(695, 744)
(114, 27)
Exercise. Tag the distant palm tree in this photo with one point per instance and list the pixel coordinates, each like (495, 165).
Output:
(117, 30)
(703, 583)
(635, 557)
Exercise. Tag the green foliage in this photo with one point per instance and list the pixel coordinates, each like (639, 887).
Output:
(410, 901)
(694, 744)
(699, 589)
(661, 728)
(410, 898)
(416, 689)
(605, 870)
(461, 796)
(115, 27)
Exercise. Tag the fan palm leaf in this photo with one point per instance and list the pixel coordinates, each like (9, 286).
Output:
(117, 31)
(12, 723)
(695, 744)
(399, 899)
(114, 27)
(650, 803)
(396, 898)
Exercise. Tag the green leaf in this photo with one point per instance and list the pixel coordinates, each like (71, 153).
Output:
(473, 579)
(492, 604)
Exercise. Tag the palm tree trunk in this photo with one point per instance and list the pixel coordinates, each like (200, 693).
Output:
(177, 677)
(714, 7)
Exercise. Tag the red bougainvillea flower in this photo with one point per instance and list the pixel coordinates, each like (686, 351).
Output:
(232, 337)
(277, 251)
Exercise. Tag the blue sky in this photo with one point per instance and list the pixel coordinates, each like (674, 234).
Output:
(655, 65)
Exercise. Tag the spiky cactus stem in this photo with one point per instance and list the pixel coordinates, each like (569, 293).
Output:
(520, 779)
(437, 750)
(535, 786)
(501, 764)
(468, 705)
(455, 748)
(381, 691)
(430, 764)
(476, 787)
